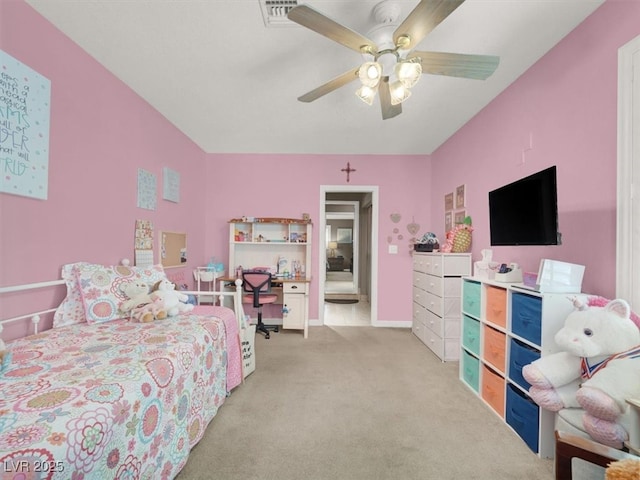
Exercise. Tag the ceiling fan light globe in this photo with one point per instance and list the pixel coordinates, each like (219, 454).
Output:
(408, 73)
(398, 92)
(366, 94)
(370, 73)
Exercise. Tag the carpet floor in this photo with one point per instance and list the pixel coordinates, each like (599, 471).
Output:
(357, 403)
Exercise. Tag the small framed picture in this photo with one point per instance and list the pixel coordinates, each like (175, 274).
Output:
(461, 197)
(448, 221)
(459, 217)
(448, 202)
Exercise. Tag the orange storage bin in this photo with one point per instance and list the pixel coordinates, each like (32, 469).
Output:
(494, 343)
(493, 390)
(496, 311)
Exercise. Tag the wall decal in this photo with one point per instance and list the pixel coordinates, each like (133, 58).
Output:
(25, 101)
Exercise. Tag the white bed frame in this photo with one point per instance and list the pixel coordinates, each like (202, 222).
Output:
(36, 316)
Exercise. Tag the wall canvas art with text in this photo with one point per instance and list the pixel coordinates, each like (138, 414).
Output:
(25, 100)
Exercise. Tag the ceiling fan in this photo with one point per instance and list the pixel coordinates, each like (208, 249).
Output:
(391, 65)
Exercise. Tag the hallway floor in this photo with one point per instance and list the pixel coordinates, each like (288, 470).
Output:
(352, 315)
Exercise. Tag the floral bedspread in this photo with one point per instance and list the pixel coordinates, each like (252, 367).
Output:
(115, 400)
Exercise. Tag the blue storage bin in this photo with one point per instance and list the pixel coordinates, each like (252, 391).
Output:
(519, 356)
(471, 370)
(526, 317)
(471, 334)
(471, 298)
(523, 416)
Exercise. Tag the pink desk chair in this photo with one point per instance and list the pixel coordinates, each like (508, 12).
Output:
(257, 286)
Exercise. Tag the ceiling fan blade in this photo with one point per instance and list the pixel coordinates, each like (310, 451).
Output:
(425, 17)
(319, 23)
(388, 110)
(478, 67)
(330, 86)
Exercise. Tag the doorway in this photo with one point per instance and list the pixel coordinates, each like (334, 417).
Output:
(358, 257)
(342, 236)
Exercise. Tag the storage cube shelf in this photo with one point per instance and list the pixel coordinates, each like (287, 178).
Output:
(504, 328)
(436, 300)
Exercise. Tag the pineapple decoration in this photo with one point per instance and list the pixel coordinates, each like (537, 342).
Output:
(462, 236)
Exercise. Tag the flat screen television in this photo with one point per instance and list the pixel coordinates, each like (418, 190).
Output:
(525, 212)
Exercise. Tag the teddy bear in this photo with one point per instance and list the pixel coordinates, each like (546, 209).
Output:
(139, 304)
(597, 368)
(149, 312)
(174, 301)
(627, 469)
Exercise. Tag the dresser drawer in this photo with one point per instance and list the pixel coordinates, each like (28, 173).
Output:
(420, 280)
(448, 307)
(470, 367)
(494, 347)
(443, 286)
(418, 328)
(496, 311)
(294, 287)
(471, 298)
(443, 327)
(420, 263)
(519, 356)
(493, 390)
(471, 334)
(526, 317)
(419, 312)
(420, 296)
(447, 349)
(523, 415)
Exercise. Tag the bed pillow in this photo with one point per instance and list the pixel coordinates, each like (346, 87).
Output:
(71, 310)
(100, 288)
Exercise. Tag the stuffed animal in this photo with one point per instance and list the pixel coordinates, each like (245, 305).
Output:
(149, 312)
(139, 304)
(597, 369)
(627, 469)
(174, 301)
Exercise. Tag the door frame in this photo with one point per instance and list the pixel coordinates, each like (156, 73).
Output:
(322, 247)
(628, 208)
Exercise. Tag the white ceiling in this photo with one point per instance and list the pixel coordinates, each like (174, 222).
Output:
(231, 85)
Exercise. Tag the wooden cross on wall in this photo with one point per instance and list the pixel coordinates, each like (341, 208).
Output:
(348, 170)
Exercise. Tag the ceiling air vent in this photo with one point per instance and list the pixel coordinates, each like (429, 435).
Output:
(274, 12)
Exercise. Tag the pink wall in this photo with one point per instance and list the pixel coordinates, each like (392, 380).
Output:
(567, 102)
(292, 184)
(101, 133)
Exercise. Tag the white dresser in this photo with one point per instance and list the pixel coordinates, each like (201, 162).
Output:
(437, 287)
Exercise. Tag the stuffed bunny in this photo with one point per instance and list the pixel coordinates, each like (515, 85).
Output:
(597, 369)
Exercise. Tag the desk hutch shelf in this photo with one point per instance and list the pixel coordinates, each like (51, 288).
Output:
(277, 244)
